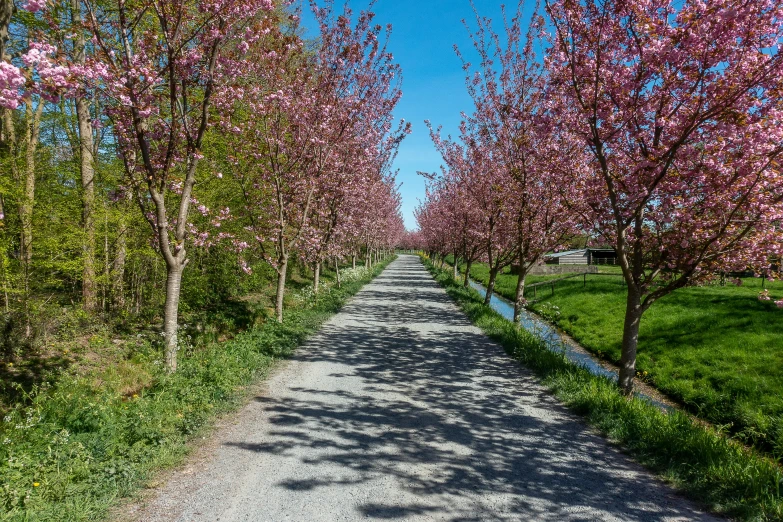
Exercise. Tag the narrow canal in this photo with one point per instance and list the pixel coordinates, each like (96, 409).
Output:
(554, 339)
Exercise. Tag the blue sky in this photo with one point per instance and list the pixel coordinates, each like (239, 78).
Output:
(423, 37)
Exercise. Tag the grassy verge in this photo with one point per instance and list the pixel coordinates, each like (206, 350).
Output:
(714, 349)
(76, 446)
(700, 461)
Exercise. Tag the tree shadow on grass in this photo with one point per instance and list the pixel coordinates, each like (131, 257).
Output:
(17, 380)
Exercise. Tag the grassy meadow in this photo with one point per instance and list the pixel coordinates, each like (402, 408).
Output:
(715, 349)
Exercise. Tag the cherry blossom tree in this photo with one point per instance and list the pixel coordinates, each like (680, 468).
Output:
(308, 132)
(475, 181)
(345, 200)
(679, 106)
(518, 171)
(382, 222)
(362, 88)
(274, 126)
(436, 236)
(159, 63)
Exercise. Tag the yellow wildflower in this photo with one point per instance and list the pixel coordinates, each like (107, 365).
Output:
(36, 484)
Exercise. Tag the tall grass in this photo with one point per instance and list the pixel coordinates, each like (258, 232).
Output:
(703, 463)
(77, 446)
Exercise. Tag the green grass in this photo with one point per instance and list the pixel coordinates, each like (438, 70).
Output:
(78, 445)
(699, 460)
(717, 350)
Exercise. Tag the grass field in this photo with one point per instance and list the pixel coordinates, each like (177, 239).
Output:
(717, 350)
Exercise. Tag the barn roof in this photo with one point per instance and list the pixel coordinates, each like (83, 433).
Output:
(567, 253)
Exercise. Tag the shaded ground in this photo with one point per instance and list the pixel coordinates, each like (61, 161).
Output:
(399, 409)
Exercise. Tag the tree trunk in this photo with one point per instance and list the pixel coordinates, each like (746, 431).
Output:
(171, 309)
(633, 316)
(519, 296)
(493, 274)
(492, 270)
(454, 268)
(466, 281)
(6, 13)
(139, 295)
(337, 272)
(118, 270)
(282, 269)
(26, 214)
(106, 264)
(87, 165)
(32, 132)
(353, 261)
(316, 277)
(8, 144)
(3, 262)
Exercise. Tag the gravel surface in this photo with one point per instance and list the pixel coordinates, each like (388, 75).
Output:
(400, 409)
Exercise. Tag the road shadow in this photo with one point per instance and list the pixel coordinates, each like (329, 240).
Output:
(447, 417)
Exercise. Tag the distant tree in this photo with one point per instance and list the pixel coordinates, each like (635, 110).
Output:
(535, 166)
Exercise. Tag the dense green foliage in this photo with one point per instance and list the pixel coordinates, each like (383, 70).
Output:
(699, 460)
(80, 443)
(714, 349)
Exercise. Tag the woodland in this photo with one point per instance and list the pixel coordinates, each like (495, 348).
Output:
(164, 158)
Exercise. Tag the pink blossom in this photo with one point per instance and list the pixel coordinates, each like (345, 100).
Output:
(11, 81)
(33, 6)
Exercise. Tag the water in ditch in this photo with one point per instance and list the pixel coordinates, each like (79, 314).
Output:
(554, 340)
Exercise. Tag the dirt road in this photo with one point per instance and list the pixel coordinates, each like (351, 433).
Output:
(400, 409)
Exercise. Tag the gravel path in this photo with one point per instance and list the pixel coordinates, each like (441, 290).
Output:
(400, 409)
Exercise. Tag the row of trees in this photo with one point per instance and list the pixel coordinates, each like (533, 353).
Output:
(139, 137)
(653, 126)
